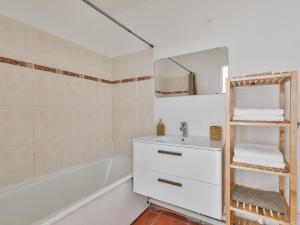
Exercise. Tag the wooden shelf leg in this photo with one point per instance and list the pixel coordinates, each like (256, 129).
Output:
(229, 151)
(293, 149)
(282, 133)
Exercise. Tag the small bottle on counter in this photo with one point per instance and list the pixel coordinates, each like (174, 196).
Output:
(215, 133)
(160, 129)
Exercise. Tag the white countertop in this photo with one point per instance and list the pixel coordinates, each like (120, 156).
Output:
(189, 142)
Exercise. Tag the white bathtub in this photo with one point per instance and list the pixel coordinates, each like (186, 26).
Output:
(95, 194)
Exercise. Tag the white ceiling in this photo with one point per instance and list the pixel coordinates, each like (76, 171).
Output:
(72, 20)
(117, 6)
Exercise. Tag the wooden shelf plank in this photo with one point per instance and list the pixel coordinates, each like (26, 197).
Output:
(253, 80)
(257, 211)
(261, 213)
(260, 123)
(261, 169)
(242, 221)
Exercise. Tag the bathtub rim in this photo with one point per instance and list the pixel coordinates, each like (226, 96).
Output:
(55, 217)
(45, 178)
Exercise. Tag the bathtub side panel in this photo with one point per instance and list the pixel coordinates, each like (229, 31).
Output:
(120, 206)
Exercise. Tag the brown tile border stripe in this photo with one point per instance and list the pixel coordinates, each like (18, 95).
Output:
(68, 73)
(106, 81)
(116, 81)
(91, 78)
(129, 80)
(45, 68)
(16, 62)
(144, 78)
(71, 74)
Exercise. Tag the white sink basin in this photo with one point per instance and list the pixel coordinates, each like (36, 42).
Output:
(192, 141)
(172, 139)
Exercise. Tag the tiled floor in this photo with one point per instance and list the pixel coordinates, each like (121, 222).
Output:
(156, 215)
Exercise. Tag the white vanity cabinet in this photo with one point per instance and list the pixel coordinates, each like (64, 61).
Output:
(186, 175)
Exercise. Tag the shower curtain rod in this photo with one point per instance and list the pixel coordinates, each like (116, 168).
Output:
(178, 64)
(116, 22)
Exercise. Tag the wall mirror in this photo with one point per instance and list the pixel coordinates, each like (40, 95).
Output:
(199, 73)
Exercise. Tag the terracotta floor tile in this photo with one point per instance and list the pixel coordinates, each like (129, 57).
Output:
(176, 216)
(156, 215)
(165, 220)
(147, 218)
(156, 208)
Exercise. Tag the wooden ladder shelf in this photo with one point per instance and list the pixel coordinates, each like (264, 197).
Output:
(290, 172)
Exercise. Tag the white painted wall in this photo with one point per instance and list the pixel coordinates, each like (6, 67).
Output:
(260, 35)
(199, 111)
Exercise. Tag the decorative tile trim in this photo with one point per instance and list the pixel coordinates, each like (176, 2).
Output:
(106, 81)
(45, 68)
(91, 78)
(129, 80)
(71, 74)
(144, 78)
(15, 62)
(116, 81)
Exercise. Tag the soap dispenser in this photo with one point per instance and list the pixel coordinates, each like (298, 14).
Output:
(160, 130)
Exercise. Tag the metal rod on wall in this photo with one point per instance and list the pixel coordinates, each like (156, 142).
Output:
(178, 64)
(116, 22)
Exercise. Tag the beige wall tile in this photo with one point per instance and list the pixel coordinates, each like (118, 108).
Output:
(74, 153)
(135, 64)
(16, 165)
(133, 113)
(145, 111)
(46, 124)
(46, 89)
(93, 96)
(72, 91)
(93, 125)
(16, 126)
(72, 123)
(48, 157)
(15, 85)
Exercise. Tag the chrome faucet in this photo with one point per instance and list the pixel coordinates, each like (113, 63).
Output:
(183, 128)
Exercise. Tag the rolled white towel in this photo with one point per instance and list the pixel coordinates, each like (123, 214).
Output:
(258, 111)
(266, 153)
(259, 118)
(259, 162)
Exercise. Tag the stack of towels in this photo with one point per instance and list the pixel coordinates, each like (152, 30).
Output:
(261, 155)
(256, 114)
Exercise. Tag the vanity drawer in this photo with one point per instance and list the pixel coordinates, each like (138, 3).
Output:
(189, 194)
(197, 164)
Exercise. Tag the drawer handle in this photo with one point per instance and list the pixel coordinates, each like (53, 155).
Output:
(169, 182)
(169, 153)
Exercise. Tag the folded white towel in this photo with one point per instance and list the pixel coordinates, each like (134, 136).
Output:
(259, 118)
(258, 152)
(258, 111)
(259, 162)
